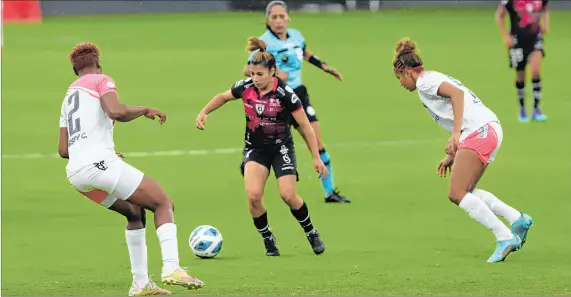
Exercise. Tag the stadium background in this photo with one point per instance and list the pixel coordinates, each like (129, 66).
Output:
(400, 236)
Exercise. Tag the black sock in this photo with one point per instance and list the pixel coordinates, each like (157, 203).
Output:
(536, 85)
(520, 87)
(302, 216)
(262, 225)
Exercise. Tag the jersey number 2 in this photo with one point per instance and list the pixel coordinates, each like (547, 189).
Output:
(73, 125)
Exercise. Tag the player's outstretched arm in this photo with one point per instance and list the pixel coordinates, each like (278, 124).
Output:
(314, 60)
(117, 111)
(213, 105)
(63, 140)
(309, 137)
(456, 96)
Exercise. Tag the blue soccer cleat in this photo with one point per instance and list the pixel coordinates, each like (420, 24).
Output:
(504, 248)
(521, 227)
(538, 116)
(523, 117)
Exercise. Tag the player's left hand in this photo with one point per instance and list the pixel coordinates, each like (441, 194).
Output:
(320, 168)
(120, 155)
(201, 120)
(452, 145)
(445, 166)
(153, 113)
(544, 30)
(333, 72)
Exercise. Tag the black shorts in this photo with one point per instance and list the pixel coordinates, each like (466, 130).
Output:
(519, 54)
(301, 92)
(280, 157)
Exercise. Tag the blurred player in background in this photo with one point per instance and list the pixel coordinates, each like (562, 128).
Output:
(289, 48)
(476, 138)
(270, 104)
(88, 113)
(529, 22)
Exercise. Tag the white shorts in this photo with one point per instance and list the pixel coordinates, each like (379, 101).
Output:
(107, 181)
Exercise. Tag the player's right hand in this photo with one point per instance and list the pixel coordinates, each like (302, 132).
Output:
(201, 120)
(509, 42)
(320, 168)
(445, 166)
(153, 113)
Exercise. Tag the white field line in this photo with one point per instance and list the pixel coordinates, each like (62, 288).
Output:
(227, 151)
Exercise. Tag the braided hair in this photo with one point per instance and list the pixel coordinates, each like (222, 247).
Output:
(407, 56)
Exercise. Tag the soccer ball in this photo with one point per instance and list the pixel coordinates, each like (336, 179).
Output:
(205, 241)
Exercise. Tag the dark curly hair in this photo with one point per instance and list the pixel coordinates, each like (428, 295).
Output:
(84, 55)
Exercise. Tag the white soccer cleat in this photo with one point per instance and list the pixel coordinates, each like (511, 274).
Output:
(150, 289)
(180, 277)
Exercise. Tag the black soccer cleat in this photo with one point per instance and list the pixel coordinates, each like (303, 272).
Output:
(316, 242)
(271, 248)
(335, 197)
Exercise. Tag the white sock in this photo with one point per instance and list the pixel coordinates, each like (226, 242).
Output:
(169, 247)
(137, 245)
(480, 212)
(498, 206)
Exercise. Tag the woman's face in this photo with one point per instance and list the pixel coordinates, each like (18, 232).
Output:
(261, 75)
(278, 19)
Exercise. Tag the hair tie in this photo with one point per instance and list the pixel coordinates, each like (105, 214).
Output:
(262, 50)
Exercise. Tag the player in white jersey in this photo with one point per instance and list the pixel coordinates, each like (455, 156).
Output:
(88, 113)
(475, 140)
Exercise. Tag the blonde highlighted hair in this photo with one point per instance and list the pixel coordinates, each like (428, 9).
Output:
(407, 56)
(262, 57)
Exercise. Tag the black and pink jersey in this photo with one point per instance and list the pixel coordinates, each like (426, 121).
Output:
(525, 16)
(267, 117)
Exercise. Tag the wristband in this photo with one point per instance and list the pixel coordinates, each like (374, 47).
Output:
(315, 61)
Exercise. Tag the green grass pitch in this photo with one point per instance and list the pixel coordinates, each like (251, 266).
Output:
(400, 236)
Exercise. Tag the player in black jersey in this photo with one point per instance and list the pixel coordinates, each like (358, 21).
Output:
(529, 22)
(269, 104)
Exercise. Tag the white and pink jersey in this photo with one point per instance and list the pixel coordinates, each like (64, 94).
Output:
(89, 128)
(476, 114)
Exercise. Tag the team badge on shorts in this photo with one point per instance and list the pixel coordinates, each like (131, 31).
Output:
(483, 132)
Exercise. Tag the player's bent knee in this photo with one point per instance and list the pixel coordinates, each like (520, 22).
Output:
(255, 202)
(151, 196)
(289, 197)
(288, 194)
(134, 214)
(456, 196)
(254, 197)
